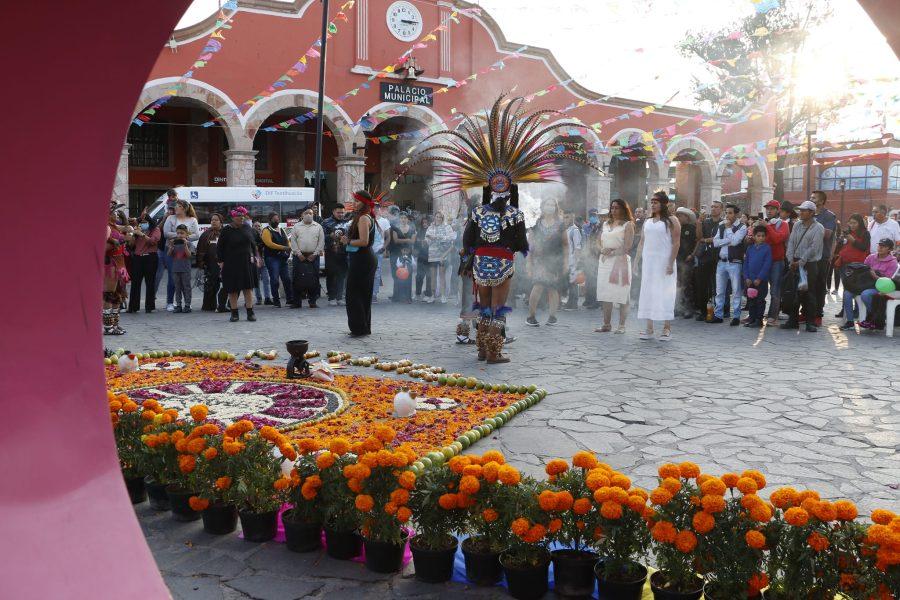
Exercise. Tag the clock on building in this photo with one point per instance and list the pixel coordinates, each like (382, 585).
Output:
(404, 21)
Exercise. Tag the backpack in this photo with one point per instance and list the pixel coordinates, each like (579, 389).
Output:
(857, 277)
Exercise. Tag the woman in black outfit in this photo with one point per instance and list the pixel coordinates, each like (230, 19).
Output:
(361, 265)
(207, 259)
(238, 259)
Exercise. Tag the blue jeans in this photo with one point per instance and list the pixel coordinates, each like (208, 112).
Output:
(850, 312)
(277, 267)
(725, 272)
(165, 263)
(775, 277)
(263, 279)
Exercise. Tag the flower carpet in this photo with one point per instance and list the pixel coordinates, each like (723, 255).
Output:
(350, 406)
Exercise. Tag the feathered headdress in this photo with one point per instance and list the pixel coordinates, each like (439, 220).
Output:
(503, 147)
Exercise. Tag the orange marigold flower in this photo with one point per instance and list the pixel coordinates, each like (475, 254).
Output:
(473, 470)
(602, 495)
(493, 456)
(469, 485)
(757, 582)
(584, 460)
(689, 470)
(685, 541)
(751, 500)
(669, 470)
(557, 466)
(846, 510)
(115, 405)
(761, 513)
(671, 484)
(547, 500)
(730, 480)
(407, 480)
(339, 446)
(809, 504)
(784, 497)
(308, 492)
(489, 515)
(199, 412)
(703, 522)
(554, 525)
(403, 514)
(187, 463)
(148, 415)
(747, 485)
(210, 453)
(796, 516)
(881, 516)
(660, 496)
(355, 485)
(491, 471)
(756, 476)
(196, 445)
(755, 539)
(611, 510)
(596, 479)
(713, 486)
(848, 581)
(390, 508)
(520, 526)
(564, 500)
(817, 541)
(458, 463)
(198, 504)
(223, 483)
(509, 475)
(324, 459)
(807, 494)
(129, 407)
(620, 481)
(385, 433)
(447, 501)
(582, 506)
(282, 483)
(713, 504)
(636, 503)
(268, 433)
(309, 445)
(535, 533)
(825, 511)
(364, 503)
(664, 531)
(399, 496)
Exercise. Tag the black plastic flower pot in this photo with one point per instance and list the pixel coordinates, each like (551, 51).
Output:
(156, 492)
(259, 527)
(573, 573)
(342, 545)
(482, 568)
(384, 557)
(137, 491)
(659, 585)
(631, 588)
(220, 519)
(179, 501)
(527, 582)
(434, 566)
(301, 536)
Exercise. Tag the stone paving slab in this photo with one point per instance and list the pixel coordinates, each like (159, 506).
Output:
(819, 410)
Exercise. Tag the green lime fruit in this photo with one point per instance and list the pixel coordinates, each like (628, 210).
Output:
(448, 452)
(426, 462)
(532, 389)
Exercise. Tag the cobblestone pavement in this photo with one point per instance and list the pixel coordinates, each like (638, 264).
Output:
(811, 410)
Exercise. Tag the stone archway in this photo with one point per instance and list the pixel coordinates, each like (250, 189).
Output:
(704, 161)
(636, 186)
(759, 187)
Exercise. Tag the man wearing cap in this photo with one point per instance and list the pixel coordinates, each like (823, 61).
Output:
(882, 228)
(819, 285)
(777, 233)
(706, 257)
(804, 251)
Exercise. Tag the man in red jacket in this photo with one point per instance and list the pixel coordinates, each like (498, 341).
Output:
(777, 232)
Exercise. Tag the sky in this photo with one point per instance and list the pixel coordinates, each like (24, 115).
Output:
(632, 51)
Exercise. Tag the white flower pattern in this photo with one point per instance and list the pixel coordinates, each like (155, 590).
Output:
(162, 366)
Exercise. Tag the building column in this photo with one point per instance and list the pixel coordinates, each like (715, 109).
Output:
(295, 160)
(758, 198)
(240, 168)
(351, 172)
(708, 193)
(120, 187)
(599, 189)
(198, 150)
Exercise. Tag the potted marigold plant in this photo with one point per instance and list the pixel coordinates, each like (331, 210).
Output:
(533, 510)
(804, 561)
(621, 536)
(484, 492)
(303, 522)
(573, 566)
(382, 500)
(860, 577)
(338, 484)
(260, 486)
(130, 421)
(883, 541)
(730, 536)
(674, 539)
(148, 459)
(212, 477)
(438, 514)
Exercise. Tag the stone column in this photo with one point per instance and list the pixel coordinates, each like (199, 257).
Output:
(198, 153)
(708, 193)
(120, 187)
(350, 175)
(240, 168)
(598, 191)
(295, 160)
(758, 198)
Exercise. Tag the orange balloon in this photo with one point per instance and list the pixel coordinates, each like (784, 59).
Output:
(402, 273)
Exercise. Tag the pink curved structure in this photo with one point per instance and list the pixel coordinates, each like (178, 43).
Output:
(67, 529)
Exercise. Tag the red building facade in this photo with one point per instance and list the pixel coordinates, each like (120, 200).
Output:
(465, 64)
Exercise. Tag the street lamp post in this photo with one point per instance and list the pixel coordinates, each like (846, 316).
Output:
(320, 117)
(810, 132)
(843, 185)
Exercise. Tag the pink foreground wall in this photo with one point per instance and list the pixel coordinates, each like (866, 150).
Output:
(67, 529)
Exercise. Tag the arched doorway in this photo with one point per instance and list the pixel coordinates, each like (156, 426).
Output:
(636, 167)
(748, 179)
(692, 173)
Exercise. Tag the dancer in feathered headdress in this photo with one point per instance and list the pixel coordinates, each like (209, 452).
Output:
(495, 152)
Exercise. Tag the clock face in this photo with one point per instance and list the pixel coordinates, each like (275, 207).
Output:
(404, 21)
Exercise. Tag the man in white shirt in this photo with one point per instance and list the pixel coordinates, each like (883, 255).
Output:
(307, 241)
(882, 228)
(382, 231)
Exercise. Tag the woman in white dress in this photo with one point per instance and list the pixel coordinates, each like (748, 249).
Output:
(614, 270)
(656, 257)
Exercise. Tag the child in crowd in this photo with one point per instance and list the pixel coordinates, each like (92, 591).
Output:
(403, 287)
(757, 267)
(180, 251)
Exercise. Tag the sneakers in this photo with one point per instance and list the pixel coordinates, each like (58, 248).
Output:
(552, 321)
(268, 302)
(170, 307)
(735, 322)
(187, 309)
(276, 303)
(531, 321)
(752, 323)
(341, 302)
(177, 309)
(332, 303)
(716, 320)
(848, 325)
